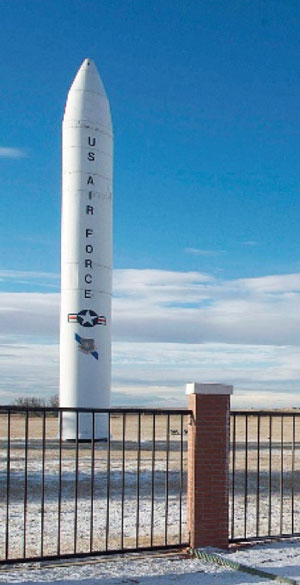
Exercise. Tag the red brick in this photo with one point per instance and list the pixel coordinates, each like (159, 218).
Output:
(208, 479)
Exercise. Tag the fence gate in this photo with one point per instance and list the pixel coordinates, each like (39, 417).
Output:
(265, 475)
(70, 498)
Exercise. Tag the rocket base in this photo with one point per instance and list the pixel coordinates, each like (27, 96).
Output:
(84, 427)
(101, 440)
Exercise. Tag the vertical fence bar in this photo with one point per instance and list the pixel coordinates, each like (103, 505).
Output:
(107, 483)
(293, 475)
(138, 464)
(92, 484)
(270, 478)
(181, 479)
(281, 474)
(8, 457)
(167, 479)
(43, 483)
(258, 477)
(60, 414)
(25, 483)
(123, 479)
(76, 483)
(246, 478)
(152, 479)
(233, 475)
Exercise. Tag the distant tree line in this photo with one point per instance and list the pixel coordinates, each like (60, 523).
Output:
(35, 402)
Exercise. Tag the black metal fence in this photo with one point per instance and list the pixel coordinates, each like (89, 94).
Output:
(61, 498)
(265, 475)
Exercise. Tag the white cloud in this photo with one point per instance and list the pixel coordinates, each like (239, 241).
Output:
(196, 308)
(169, 328)
(156, 373)
(44, 279)
(199, 252)
(279, 283)
(16, 274)
(10, 152)
(127, 277)
(28, 369)
(29, 315)
(165, 306)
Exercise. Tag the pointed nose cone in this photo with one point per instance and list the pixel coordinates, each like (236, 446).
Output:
(88, 79)
(87, 100)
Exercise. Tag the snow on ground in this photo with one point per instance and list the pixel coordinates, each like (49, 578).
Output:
(279, 558)
(138, 499)
(147, 570)
(41, 512)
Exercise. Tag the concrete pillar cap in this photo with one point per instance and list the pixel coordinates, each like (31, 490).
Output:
(199, 388)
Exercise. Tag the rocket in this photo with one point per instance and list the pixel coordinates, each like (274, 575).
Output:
(86, 255)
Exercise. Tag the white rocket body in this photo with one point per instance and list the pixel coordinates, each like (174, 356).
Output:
(86, 254)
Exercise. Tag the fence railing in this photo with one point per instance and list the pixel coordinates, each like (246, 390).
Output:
(64, 492)
(62, 497)
(265, 475)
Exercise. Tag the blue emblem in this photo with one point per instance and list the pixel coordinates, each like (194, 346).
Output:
(87, 346)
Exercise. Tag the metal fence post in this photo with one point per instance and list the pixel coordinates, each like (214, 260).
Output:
(208, 464)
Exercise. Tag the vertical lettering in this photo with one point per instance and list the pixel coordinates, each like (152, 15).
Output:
(91, 141)
(88, 264)
(89, 210)
(91, 156)
(88, 233)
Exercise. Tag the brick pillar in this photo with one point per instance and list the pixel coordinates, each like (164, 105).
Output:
(208, 464)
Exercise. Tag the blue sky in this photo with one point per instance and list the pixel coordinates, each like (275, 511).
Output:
(205, 105)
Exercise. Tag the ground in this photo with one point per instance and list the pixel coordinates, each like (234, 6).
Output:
(279, 558)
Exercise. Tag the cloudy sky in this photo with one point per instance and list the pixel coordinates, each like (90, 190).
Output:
(205, 104)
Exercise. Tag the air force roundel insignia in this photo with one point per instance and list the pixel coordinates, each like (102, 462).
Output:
(87, 318)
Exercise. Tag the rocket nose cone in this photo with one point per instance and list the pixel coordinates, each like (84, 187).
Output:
(88, 63)
(88, 78)
(87, 99)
